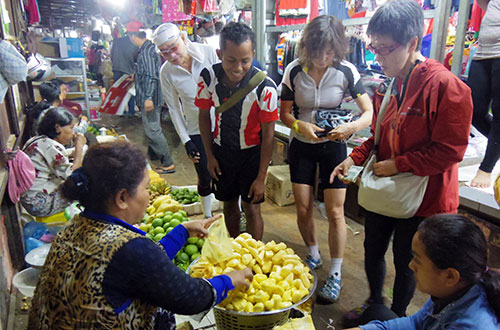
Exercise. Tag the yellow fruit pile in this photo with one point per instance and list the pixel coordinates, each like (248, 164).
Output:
(281, 279)
(161, 205)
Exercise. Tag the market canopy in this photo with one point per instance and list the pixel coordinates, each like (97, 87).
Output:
(67, 13)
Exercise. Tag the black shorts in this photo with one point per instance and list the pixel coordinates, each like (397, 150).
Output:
(239, 169)
(304, 157)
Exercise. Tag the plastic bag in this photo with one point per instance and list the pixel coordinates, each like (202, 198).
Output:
(218, 245)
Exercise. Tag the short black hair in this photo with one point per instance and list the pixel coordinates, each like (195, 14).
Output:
(402, 20)
(140, 34)
(50, 90)
(237, 33)
(55, 116)
(109, 168)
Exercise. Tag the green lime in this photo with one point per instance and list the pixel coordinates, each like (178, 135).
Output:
(177, 216)
(158, 230)
(185, 190)
(166, 226)
(183, 257)
(184, 219)
(143, 227)
(157, 222)
(191, 249)
(192, 240)
(159, 236)
(200, 243)
(148, 235)
(174, 223)
(195, 256)
(184, 214)
(169, 229)
(167, 218)
(186, 201)
(168, 213)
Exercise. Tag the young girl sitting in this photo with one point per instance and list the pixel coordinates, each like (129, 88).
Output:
(449, 263)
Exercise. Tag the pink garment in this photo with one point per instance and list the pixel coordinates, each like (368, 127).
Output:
(21, 175)
(171, 13)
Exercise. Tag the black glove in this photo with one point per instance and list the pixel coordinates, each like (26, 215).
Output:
(191, 149)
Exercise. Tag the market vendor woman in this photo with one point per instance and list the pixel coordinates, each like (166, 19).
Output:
(101, 272)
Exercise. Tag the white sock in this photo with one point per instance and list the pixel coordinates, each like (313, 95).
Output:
(336, 268)
(314, 251)
(206, 204)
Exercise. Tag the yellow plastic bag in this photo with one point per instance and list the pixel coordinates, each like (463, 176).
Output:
(218, 246)
(496, 188)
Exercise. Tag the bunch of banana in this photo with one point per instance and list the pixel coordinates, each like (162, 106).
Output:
(161, 205)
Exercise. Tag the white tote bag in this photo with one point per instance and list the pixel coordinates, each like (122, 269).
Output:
(397, 196)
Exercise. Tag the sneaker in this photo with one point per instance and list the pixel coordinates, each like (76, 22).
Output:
(314, 263)
(331, 291)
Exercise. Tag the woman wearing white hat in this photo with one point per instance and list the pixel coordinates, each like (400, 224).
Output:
(179, 77)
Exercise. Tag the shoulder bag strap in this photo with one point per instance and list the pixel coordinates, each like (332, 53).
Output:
(241, 93)
(381, 112)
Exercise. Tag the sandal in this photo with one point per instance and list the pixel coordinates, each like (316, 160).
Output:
(166, 170)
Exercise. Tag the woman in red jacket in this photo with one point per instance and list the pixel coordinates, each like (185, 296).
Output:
(424, 131)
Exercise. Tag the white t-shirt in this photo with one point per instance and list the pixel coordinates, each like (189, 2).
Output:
(179, 88)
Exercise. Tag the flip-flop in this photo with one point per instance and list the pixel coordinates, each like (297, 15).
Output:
(162, 170)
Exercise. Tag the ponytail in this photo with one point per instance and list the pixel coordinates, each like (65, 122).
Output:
(490, 280)
(33, 113)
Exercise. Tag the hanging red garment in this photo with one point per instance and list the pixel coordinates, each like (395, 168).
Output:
(292, 4)
(209, 6)
(476, 17)
(314, 4)
(34, 12)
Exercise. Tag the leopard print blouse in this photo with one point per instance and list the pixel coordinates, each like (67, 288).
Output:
(69, 294)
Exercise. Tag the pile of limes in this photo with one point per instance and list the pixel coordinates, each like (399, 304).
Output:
(159, 227)
(189, 252)
(185, 196)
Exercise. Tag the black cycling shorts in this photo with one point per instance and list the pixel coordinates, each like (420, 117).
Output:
(239, 170)
(304, 158)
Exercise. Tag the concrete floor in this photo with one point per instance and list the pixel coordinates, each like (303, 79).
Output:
(280, 225)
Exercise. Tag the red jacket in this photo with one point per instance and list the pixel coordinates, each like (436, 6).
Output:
(427, 135)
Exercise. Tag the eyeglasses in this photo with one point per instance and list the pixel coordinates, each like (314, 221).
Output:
(170, 50)
(383, 50)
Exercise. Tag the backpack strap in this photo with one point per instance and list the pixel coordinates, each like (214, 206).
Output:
(241, 93)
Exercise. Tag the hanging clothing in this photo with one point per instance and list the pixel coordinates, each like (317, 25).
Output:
(33, 11)
(171, 13)
(13, 67)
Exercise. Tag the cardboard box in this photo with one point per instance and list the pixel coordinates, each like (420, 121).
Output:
(60, 47)
(279, 186)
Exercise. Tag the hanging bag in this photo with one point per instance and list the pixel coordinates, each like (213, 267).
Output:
(397, 196)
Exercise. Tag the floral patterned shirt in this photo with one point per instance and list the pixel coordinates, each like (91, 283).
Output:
(52, 166)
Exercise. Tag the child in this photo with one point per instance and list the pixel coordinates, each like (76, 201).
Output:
(449, 263)
(240, 148)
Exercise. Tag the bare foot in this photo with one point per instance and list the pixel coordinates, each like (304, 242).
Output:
(481, 180)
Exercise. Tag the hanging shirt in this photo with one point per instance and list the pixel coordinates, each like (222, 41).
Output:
(239, 127)
(179, 88)
(489, 33)
(301, 88)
